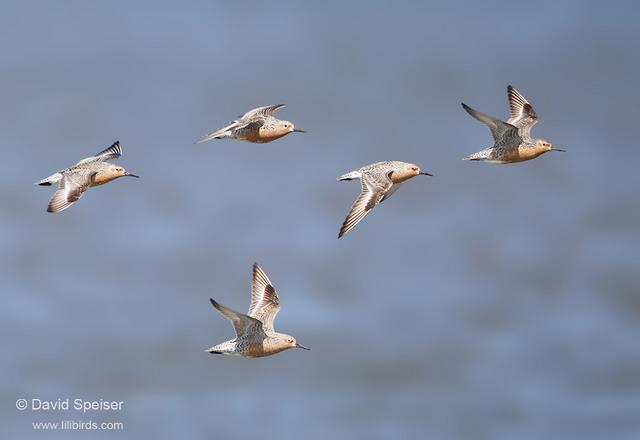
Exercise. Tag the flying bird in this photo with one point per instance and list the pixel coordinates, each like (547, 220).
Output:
(72, 182)
(512, 139)
(258, 125)
(255, 335)
(379, 180)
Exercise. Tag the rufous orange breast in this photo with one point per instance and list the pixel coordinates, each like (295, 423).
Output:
(102, 178)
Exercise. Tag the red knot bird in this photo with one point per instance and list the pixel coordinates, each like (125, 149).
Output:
(74, 181)
(512, 139)
(257, 125)
(379, 180)
(255, 336)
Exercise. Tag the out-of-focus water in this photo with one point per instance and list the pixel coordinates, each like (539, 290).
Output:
(487, 302)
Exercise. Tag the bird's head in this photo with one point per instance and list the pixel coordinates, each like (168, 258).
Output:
(119, 171)
(288, 127)
(413, 170)
(290, 342)
(544, 146)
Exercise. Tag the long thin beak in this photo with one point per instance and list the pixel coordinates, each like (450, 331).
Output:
(131, 174)
(297, 130)
(426, 174)
(558, 149)
(302, 346)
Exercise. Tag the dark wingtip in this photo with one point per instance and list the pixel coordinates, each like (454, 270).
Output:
(214, 303)
(469, 110)
(44, 183)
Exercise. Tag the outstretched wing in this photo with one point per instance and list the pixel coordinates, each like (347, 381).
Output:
(265, 303)
(262, 112)
(503, 133)
(234, 127)
(70, 189)
(374, 189)
(112, 152)
(242, 324)
(522, 114)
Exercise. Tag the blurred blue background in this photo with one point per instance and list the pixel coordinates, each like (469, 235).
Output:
(487, 302)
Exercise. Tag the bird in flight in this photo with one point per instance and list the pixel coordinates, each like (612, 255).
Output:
(92, 171)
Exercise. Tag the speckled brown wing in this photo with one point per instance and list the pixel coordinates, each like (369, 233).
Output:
(70, 188)
(250, 130)
(112, 152)
(522, 114)
(265, 303)
(504, 134)
(242, 324)
(374, 189)
(262, 112)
